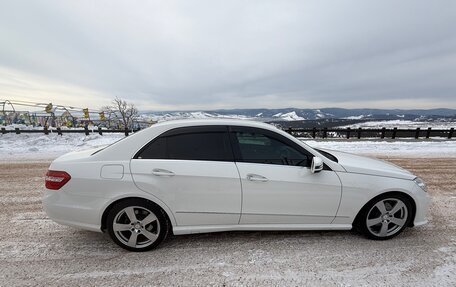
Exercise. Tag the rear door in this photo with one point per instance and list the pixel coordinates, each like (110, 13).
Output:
(277, 185)
(192, 170)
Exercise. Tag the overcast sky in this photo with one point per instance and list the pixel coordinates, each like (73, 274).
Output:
(177, 55)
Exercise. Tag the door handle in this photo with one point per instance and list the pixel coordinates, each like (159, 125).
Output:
(256, 177)
(162, 172)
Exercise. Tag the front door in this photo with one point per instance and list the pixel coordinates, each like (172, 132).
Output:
(277, 185)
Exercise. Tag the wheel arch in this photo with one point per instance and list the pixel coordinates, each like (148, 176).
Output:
(400, 193)
(110, 206)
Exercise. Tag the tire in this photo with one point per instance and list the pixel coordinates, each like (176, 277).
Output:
(137, 225)
(385, 217)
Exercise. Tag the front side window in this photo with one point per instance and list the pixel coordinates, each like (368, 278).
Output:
(258, 147)
(187, 144)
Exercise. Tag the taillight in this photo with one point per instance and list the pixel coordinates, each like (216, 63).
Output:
(56, 179)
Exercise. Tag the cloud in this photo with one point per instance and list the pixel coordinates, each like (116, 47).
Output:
(223, 54)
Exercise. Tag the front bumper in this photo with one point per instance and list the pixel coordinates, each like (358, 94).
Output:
(422, 200)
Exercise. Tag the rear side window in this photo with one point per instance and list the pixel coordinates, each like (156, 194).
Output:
(199, 143)
(198, 146)
(156, 149)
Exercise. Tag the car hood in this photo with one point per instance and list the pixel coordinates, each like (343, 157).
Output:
(367, 165)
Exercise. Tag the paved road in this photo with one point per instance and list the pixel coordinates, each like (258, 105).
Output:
(36, 251)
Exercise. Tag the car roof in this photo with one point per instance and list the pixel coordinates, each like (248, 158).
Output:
(202, 122)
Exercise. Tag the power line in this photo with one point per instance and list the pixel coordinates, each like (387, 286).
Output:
(43, 105)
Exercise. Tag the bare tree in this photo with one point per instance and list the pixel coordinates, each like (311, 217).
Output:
(110, 116)
(122, 112)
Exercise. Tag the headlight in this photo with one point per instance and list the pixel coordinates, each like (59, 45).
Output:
(420, 183)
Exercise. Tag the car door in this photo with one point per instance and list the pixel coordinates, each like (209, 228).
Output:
(277, 184)
(192, 170)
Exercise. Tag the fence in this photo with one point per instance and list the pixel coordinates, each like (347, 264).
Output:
(297, 132)
(60, 131)
(371, 133)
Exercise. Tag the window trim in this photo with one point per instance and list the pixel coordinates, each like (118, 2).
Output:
(237, 150)
(229, 132)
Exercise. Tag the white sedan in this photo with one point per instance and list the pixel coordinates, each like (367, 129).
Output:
(197, 176)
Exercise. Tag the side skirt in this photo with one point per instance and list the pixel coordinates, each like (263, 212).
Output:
(180, 230)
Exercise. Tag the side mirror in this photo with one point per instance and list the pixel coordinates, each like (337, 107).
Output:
(317, 164)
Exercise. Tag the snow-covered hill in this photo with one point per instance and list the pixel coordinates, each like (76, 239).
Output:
(291, 116)
(159, 116)
(250, 114)
(295, 114)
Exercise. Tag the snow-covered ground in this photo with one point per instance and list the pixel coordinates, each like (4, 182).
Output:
(40, 146)
(410, 148)
(232, 259)
(35, 251)
(402, 124)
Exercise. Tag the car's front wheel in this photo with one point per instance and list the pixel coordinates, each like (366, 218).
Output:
(385, 217)
(137, 225)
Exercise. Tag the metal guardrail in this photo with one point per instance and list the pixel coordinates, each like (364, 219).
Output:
(297, 132)
(371, 133)
(60, 131)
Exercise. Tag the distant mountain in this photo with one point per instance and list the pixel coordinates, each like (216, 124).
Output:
(294, 114)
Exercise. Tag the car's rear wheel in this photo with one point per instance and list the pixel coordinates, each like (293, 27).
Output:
(385, 217)
(137, 225)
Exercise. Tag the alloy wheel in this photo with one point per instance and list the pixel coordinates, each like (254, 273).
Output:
(387, 217)
(136, 227)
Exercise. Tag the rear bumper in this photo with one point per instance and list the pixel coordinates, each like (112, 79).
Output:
(78, 211)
